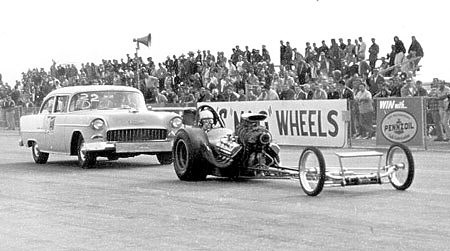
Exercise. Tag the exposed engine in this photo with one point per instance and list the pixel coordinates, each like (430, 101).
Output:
(254, 139)
(228, 148)
(251, 134)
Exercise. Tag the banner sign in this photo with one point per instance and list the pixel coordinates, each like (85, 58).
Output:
(400, 120)
(293, 122)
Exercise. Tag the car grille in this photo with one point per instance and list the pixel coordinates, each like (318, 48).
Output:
(136, 135)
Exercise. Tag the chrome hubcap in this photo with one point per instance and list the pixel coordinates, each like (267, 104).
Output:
(83, 151)
(399, 159)
(36, 149)
(309, 172)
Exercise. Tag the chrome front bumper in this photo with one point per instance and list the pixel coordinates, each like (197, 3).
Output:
(130, 147)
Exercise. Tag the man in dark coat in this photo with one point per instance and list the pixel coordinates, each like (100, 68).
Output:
(288, 55)
(415, 46)
(334, 54)
(374, 49)
(399, 51)
(324, 48)
(416, 50)
(375, 82)
(282, 53)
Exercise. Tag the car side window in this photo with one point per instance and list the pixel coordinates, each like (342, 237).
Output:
(82, 101)
(61, 103)
(47, 106)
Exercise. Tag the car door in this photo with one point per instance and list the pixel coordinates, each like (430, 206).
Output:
(46, 115)
(56, 124)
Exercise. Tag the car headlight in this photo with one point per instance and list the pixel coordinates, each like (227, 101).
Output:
(176, 122)
(97, 124)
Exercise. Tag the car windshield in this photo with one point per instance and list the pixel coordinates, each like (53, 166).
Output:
(107, 100)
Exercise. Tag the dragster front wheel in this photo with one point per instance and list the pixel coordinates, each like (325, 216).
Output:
(400, 156)
(311, 168)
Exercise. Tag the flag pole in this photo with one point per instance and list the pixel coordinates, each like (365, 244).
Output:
(137, 65)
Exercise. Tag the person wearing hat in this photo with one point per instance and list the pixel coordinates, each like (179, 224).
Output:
(365, 105)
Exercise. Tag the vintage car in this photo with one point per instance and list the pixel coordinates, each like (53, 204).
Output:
(208, 148)
(98, 121)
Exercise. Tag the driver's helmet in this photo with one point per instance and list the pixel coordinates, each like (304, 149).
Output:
(206, 119)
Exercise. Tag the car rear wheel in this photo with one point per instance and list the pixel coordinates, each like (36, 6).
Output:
(38, 156)
(187, 158)
(165, 158)
(85, 159)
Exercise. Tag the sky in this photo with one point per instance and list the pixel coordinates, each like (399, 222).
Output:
(33, 33)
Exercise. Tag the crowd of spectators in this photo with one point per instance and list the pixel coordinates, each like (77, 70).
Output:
(343, 70)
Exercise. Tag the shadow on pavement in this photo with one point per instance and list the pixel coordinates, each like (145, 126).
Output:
(72, 165)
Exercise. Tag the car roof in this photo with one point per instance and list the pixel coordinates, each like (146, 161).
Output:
(87, 88)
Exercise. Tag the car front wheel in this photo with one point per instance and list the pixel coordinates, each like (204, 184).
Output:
(38, 156)
(85, 159)
(311, 169)
(400, 156)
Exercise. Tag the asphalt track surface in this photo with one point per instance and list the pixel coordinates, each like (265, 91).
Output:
(137, 204)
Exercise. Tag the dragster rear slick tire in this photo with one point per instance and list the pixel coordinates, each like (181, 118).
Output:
(188, 160)
(402, 178)
(312, 174)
